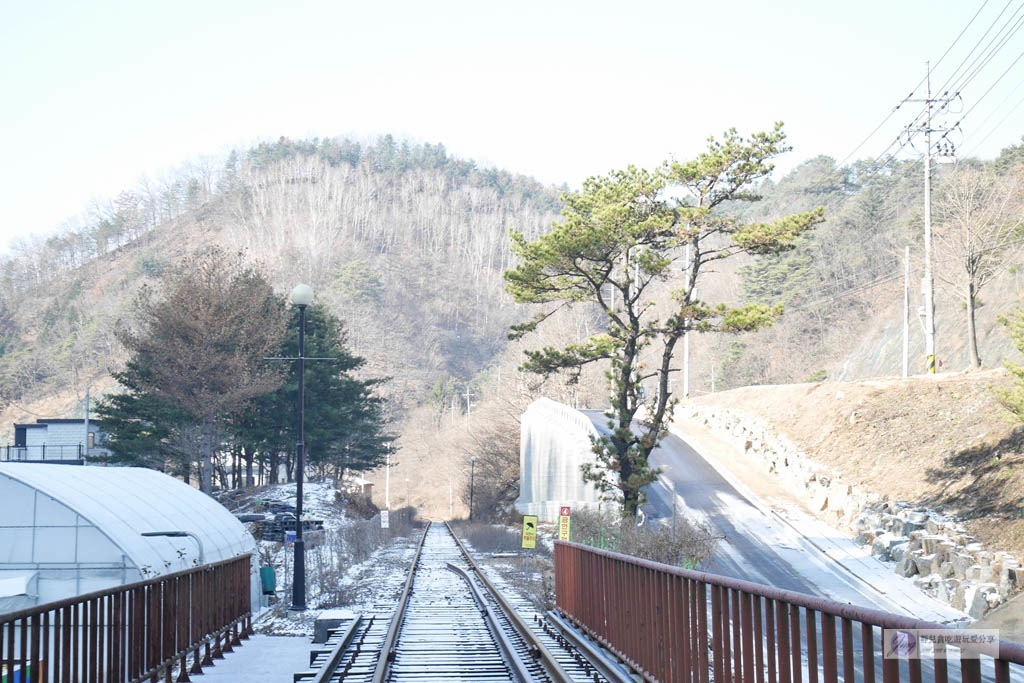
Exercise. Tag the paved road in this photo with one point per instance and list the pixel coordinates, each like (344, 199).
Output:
(764, 549)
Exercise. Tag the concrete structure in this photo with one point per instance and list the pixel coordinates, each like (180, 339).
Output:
(55, 440)
(555, 441)
(66, 531)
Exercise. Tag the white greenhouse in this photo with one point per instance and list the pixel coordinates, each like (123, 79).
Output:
(66, 530)
(554, 442)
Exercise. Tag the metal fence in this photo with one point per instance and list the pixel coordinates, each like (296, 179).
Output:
(674, 624)
(136, 632)
(42, 453)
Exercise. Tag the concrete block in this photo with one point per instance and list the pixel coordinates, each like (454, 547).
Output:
(898, 551)
(906, 566)
(961, 563)
(977, 599)
(932, 542)
(819, 499)
(924, 564)
(905, 527)
(959, 598)
(327, 620)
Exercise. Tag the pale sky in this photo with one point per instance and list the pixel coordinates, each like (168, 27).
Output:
(97, 94)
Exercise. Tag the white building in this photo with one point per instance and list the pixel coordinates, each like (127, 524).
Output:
(55, 439)
(66, 531)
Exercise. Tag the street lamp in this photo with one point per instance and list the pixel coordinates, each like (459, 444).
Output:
(472, 471)
(302, 296)
(180, 534)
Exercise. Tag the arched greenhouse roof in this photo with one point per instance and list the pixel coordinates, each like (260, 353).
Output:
(125, 502)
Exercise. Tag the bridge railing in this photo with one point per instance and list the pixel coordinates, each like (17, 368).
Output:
(136, 632)
(675, 624)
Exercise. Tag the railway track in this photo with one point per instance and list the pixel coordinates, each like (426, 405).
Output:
(453, 624)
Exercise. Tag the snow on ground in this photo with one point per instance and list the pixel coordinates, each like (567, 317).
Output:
(334, 577)
(262, 659)
(372, 586)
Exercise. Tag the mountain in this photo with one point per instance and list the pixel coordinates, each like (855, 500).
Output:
(403, 242)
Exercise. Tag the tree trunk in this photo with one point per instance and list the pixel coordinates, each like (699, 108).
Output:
(206, 462)
(273, 467)
(248, 470)
(972, 332)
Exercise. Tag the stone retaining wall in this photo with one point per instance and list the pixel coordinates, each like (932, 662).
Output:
(933, 550)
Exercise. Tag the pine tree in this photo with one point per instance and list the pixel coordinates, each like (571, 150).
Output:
(345, 422)
(620, 234)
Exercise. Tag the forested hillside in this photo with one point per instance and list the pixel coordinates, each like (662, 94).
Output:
(408, 246)
(842, 287)
(404, 243)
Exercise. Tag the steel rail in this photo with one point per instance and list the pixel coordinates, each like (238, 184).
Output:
(608, 668)
(543, 655)
(327, 670)
(387, 650)
(495, 624)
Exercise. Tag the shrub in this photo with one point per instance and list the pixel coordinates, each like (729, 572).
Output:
(679, 542)
(488, 538)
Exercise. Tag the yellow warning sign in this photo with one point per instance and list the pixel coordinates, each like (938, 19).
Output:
(529, 531)
(564, 522)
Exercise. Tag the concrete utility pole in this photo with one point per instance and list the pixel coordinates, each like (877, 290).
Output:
(906, 311)
(928, 281)
(686, 335)
(86, 423)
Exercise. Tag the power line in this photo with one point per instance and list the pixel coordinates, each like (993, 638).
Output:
(962, 80)
(846, 293)
(998, 125)
(1002, 43)
(919, 84)
(944, 88)
(979, 100)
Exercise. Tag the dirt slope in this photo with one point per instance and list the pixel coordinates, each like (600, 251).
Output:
(943, 442)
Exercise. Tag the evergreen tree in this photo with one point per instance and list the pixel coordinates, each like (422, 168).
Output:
(142, 429)
(345, 424)
(200, 343)
(621, 234)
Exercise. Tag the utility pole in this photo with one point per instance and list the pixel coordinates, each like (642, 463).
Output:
(686, 334)
(86, 424)
(906, 311)
(928, 281)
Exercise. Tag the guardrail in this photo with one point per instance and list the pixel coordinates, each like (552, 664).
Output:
(666, 622)
(134, 632)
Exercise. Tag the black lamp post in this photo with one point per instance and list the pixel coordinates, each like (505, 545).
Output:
(302, 295)
(472, 472)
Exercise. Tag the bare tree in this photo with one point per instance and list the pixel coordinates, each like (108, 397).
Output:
(977, 236)
(201, 342)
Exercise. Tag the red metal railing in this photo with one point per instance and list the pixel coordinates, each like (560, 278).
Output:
(134, 632)
(667, 622)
